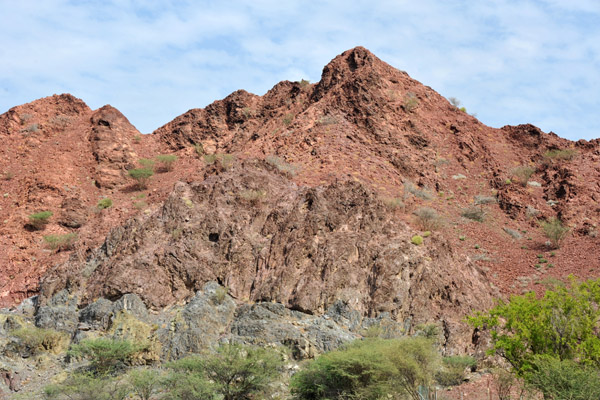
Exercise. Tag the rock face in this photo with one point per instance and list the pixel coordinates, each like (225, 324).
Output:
(266, 239)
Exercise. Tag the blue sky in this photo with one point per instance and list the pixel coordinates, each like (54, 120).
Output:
(509, 62)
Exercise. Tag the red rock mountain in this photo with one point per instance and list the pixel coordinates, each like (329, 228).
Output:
(328, 215)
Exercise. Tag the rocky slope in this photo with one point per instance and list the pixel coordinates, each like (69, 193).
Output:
(303, 198)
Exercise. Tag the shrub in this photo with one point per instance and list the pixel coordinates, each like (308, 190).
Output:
(144, 382)
(369, 369)
(288, 119)
(410, 102)
(424, 194)
(523, 173)
(561, 324)
(554, 230)
(417, 240)
(428, 218)
(37, 340)
(39, 220)
(105, 355)
(61, 242)
(220, 295)
(104, 203)
(166, 161)
(86, 386)
(454, 102)
(141, 176)
(199, 149)
(564, 379)
(480, 199)
(393, 203)
(147, 163)
(281, 165)
(453, 371)
(253, 196)
(564, 155)
(473, 213)
(234, 372)
(226, 160)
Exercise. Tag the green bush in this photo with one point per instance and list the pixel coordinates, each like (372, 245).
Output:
(234, 372)
(453, 371)
(144, 382)
(417, 240)
(147, 163)
(555, 231)
(166, 161)
(104, 203)
(564, 379)
(86, 386)
(106, 355)
(39, 220)
(61, 242)
(369, 369)
(37, 340)
(141, 176)
(562, 324)
(565, 155)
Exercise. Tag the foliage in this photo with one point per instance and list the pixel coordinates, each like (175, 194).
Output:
(85, 386)
(38, 340)
(557, 154)
(393, 203)
(61, 242)
(235, 372)
(187, 386)
(481, 199)
(142, 176)
(562, 324)
(166, 161)
(417, 240)
(39, 220)
(424, 194)
(226, 160)
(146, 163)
(554, 230)
(453, 371)
(144, 382)
(104, 203)
(281, 165)
(369, 369)
(564, 379)
(474, 213)
(199, 149)
(410, 102)
(523, 173)
(428, 218)
(105, 355)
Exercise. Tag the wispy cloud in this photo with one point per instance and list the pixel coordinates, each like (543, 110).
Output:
(509, 61)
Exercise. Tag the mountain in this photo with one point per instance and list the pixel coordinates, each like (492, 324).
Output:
(305, 196)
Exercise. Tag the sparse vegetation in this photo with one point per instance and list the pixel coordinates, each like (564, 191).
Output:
(61, 242)
(253, 196)
(453, 370)
(554, 230)
(523, 173)
(105, 355)
(281, 165)
(410, 102)
(424, 194)
(104, 203)
(428, 218)
(40, 220)
(473, 213)
(141, 176)
(166, 161)
(288, 119)
(417, 240)
(199, 149)
(481, 199)
(226, 160)
(393, 203)
(147, 163)
(454, 102)
(37, 340)
(561, 155)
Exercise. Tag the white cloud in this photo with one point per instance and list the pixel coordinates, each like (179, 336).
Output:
(511, 62)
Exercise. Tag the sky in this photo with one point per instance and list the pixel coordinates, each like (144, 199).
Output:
(509, 62)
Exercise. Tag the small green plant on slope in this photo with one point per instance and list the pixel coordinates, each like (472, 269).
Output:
(281, 165)
(40, 220)
(141, 176)
(105, 355)
(555, 231)
(147, 163)
(557, 154)
(38, 340)
(166, 161)
(104, 203)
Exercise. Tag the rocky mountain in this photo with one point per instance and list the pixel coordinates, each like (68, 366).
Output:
(366, 192)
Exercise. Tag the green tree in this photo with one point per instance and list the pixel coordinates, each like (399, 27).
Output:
(235, 372)
(564, 379)
(86, 386)
(369, 369)
(105, 355)
(562, 324)
(142, 176)
(144, 382)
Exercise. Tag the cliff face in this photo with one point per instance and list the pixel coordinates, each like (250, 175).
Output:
(304, 196)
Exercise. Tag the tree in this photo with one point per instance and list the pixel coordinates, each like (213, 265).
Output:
(105, 355)
(236, 372)
(141, 175)
(85, 386)
(143, 382)
(564, 379)
(369, 369)
(562, 324)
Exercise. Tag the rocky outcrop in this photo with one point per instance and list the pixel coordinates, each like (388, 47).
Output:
(110, 139)
(253, 230)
